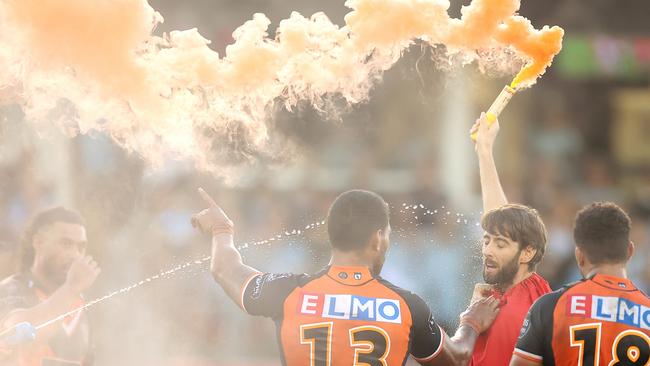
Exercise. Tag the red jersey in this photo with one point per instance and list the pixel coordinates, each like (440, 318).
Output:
(603, 320)
(494, 346)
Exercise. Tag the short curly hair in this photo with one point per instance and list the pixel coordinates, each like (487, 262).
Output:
(602, 231)
(354, 217)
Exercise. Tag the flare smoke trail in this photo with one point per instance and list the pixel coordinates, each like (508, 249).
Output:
(174, 96)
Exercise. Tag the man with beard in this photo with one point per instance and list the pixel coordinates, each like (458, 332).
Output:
(55, 271)
(346, 314)
(513, 245)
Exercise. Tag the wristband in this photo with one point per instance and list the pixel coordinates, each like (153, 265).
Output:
(223, 229)
(472, 324)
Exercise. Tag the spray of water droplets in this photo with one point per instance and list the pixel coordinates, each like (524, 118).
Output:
(168, 273)
(418, 215)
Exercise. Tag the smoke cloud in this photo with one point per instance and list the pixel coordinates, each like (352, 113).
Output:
(174, 97)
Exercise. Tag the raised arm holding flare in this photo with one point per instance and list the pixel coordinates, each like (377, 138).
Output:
(492, 192)
(346, 314)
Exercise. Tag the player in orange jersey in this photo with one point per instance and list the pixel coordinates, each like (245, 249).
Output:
(603, 319)
(346, 314)
(56, 270)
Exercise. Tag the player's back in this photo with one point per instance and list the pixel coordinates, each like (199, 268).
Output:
(344, 316)
(603, 320)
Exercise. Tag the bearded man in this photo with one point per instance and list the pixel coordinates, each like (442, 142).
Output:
(513, 244)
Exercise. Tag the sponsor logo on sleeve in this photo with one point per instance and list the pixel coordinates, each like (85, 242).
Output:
(524, 328)
(261, 281)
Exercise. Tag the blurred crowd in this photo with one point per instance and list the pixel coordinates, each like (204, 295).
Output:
(556, 154)
(138, 222)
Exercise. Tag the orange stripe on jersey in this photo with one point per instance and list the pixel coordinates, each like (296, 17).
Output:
(364, 346)
(580, 343)
(243, 290)
(314, 342)
(528, 356)
(437, 351)
(631, 353)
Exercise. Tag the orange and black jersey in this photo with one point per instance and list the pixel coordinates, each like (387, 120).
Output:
(70, 345)
(602, 320)
(343, 316)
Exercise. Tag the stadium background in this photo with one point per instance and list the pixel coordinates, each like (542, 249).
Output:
(580, 135)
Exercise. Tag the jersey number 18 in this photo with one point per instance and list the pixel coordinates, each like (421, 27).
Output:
(630, 347)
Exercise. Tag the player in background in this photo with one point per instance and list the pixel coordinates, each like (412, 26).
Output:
(56, 270)
(603, 319)
(346, 314)
(513, 244)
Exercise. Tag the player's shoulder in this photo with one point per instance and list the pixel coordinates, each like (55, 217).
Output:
(296, 278)
(265, 293)
(16, 291)
(15, 283)
(549, 300)
(275, 280)
(415, 303)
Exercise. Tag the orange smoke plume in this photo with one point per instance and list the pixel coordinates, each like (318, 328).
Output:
(540, 47)
(85, 35)
(173, 96)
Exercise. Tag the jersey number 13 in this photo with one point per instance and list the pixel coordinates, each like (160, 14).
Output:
(371, 344)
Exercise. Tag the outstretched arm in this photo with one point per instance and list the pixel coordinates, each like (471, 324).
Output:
(493, 195)
(475, 320)
(81, 275)
(457, 350)
(226, 264)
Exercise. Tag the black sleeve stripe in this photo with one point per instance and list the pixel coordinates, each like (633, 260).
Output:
(535, 340)
(437, 351)
(244, 289)
(266, 293)
(426, 336)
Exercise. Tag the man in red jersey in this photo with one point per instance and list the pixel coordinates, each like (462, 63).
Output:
(513, 245)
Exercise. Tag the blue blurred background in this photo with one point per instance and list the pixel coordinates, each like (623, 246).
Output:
(581, 134)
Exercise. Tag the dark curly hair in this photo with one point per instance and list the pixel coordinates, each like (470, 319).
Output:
(521, 224)
(354, 217)
(602, 231)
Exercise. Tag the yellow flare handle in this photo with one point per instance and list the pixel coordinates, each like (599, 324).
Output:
(497, 106)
